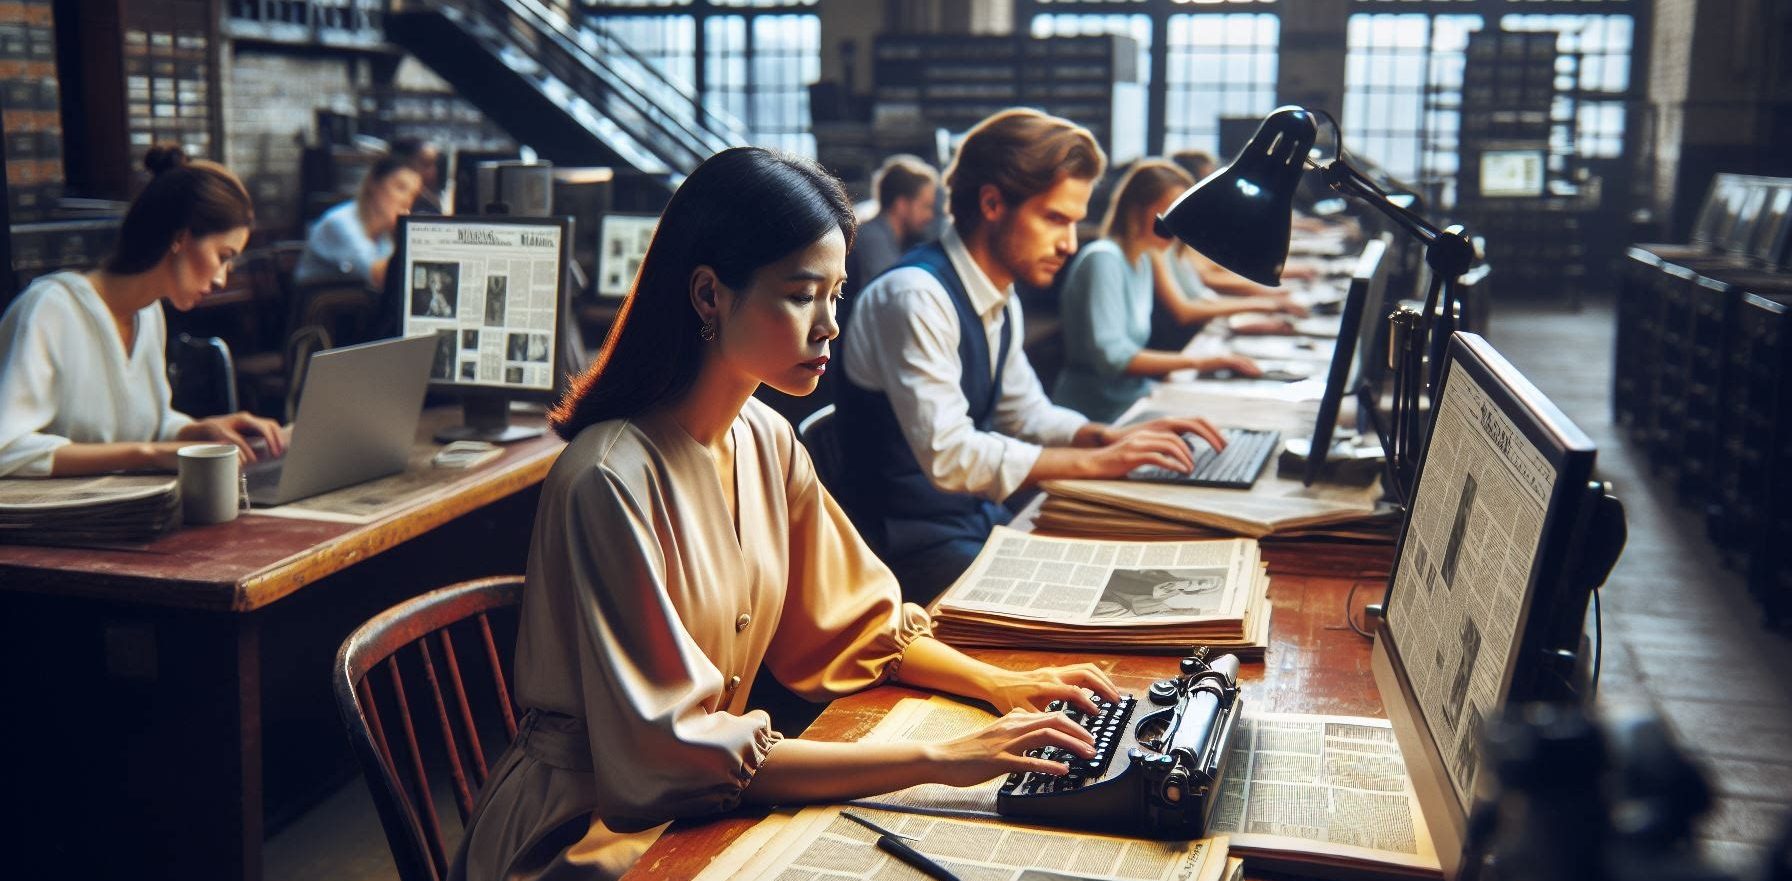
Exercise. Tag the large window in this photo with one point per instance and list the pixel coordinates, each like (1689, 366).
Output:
(757, 61)
(1593, 76)
(1135, 26)
(1403, 92)
(1220, 65)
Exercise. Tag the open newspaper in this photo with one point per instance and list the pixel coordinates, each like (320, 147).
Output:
(1313, 794)
(819, 844)
(88, 510)
(1109, 595)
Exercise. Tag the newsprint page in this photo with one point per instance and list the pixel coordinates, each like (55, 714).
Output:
(1103, 582)
(1460, 582)
(817, 844)
(490, 294)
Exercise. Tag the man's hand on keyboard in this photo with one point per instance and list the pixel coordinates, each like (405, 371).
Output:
(1136, 447)
(1173, 426)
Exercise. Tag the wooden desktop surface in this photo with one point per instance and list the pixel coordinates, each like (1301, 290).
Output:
(252, 561)
(1315, 664)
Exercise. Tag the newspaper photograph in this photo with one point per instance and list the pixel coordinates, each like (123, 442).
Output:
(1326, 787)
(490, 294)
(819, 843)
(1120, 583)
(1460, 583)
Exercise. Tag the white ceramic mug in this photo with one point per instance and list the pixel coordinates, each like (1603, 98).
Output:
(208, 483)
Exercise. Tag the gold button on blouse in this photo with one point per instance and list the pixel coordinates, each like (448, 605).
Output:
(742, 622)
(733, 684)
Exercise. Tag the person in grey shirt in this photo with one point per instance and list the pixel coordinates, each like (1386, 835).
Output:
(906, 188)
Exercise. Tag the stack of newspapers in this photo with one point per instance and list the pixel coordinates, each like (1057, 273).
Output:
(88, 510)
(1091, 594)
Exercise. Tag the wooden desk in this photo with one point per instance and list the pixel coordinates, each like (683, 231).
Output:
(1315, 664)
(143, 667)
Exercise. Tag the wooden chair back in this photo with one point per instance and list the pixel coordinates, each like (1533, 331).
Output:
(391, 734)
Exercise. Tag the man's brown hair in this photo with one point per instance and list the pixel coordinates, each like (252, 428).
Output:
(1022, 153)
(902, 176)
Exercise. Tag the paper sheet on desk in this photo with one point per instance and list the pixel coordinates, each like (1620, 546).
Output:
(819, 843)
(363, 503)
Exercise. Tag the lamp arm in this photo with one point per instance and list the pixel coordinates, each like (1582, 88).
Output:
(1346, 180)
(1447, 251)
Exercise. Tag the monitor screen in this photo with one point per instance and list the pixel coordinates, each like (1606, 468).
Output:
(1512, 173)
(1356, 333)
(1774, 226)
(491, 289)
(1478, 599)
(622, 246)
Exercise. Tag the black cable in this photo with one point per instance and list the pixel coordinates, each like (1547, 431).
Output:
(1598, 645)
(1349, 611)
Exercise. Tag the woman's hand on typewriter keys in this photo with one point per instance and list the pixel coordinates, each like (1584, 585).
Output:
(1034, 689)
(1001, 747)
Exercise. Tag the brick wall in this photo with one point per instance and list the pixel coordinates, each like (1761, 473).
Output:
(270, 104)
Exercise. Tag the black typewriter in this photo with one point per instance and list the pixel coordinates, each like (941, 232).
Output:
(1157, 768)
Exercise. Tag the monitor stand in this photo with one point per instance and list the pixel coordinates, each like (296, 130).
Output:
(1353, 460)
(487, 418)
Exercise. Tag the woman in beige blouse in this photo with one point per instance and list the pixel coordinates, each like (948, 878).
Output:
(683, 539)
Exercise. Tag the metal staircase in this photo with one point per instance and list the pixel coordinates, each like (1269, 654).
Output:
(569, 89)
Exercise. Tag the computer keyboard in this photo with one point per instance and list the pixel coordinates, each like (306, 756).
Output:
(1235, 467)
(1110, 730)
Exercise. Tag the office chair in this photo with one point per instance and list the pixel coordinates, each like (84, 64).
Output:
(822, 438)
(398, 778)
(202, 376)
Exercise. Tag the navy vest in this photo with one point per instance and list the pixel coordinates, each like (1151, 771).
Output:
(893, 502)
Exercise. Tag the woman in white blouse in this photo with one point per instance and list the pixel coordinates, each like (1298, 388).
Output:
(83, 376)
(683, 540)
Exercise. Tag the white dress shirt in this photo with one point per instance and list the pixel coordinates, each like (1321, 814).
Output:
(65, 376)
(905, 345)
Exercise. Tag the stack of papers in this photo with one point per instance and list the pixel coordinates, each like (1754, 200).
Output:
(88, 510)
(1089, 594)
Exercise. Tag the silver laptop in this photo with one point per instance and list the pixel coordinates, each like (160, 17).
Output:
(357, 419)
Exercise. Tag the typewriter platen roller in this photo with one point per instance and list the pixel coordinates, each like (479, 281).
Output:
(1158, 764)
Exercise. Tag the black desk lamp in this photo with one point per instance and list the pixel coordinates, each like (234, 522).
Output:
(1239, 217)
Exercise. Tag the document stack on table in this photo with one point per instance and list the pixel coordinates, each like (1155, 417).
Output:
(88, 510)
(1090, 594)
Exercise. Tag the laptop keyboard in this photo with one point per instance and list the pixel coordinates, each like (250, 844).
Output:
(1236, 467)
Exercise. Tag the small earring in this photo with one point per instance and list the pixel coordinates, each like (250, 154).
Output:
(707, 332)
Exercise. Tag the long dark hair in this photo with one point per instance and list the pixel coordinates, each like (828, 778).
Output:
(199, 198)
(742, 209)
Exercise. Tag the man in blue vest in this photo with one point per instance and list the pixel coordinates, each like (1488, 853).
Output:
(941, 415)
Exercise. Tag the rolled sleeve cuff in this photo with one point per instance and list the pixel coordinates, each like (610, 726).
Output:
(1114, 360)
(1018, 459)
(32, 457)
(915, 624)
(1058, 428)
(757, 753)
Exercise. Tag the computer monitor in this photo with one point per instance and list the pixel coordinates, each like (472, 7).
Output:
(1504, 538)
(493, 291)
(1774, 227)
(1714, 210)
(622, 246)
(1363, 304)
(1739, 232)
(1508, 174)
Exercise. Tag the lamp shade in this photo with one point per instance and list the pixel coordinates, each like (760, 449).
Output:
(1239, 216)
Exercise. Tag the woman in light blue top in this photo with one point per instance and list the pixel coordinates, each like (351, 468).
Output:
(1107, 299)
(354, 240)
